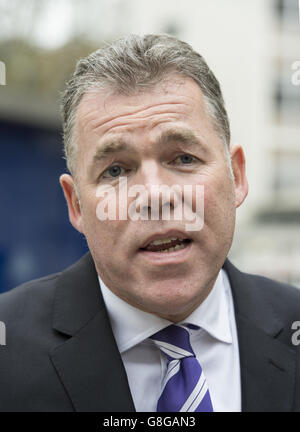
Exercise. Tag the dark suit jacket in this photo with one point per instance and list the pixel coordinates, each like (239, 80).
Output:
(60, 353)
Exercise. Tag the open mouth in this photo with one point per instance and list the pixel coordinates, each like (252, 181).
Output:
(167, 245)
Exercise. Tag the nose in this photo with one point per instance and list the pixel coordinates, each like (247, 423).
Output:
(158, 198)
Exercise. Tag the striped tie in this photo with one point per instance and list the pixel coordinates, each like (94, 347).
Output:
(184, 386)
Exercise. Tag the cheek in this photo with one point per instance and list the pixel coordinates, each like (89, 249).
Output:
(103, 235)
(219, 203)
(95, 230)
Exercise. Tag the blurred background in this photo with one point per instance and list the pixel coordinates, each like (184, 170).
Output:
(250, 45)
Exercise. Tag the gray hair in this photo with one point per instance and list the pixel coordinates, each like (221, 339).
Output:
(136, 63)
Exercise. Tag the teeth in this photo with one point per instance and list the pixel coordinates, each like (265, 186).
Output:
(172, 249)
(163, 241)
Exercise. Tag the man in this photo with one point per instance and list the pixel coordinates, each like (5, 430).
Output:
(145, 112)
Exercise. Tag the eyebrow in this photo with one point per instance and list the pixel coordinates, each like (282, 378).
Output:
(109, 147)
(115, 145)
(182, 136)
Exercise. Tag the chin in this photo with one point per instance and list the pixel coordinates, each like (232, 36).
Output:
(174, 312)
(172, 303)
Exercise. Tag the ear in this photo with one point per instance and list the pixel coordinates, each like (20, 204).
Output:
(75, 215)
(239, 172)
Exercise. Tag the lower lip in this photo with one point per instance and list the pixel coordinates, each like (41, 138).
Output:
(162, 258)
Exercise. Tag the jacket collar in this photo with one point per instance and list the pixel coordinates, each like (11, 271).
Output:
(77, 297)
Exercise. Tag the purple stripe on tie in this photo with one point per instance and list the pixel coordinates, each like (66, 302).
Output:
(173, 335)
(205, 405)
(193, 326)
(180, 386)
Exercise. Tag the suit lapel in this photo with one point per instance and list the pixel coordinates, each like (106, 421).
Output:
(267, 364)
(88, 363)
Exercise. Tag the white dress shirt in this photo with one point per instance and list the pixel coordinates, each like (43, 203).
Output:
(215, 345)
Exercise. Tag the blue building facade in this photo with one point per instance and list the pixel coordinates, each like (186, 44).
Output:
(36, 237)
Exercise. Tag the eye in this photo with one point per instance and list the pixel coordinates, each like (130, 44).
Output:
(113, 172)
(186, 159)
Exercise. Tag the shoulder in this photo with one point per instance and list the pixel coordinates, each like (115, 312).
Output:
(264, 301)
(257, 285)
(29, 310)
(26, 316)
(28, 298)
(28, 381)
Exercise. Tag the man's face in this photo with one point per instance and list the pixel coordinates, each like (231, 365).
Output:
(162, 136)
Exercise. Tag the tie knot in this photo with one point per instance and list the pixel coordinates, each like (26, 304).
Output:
(174, 342)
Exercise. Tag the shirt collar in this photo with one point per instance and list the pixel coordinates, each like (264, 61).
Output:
(131, 325)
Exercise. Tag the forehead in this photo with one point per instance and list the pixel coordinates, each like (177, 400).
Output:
(170, 87)
(175, 95)
(174, 102)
